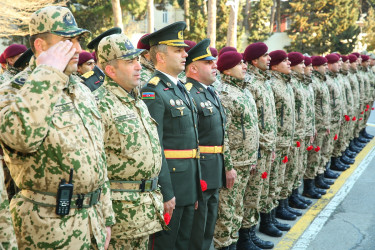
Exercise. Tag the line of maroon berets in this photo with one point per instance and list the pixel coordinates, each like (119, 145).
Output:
(307, 60)
(365, 58)
(295, 58)
(332, 58)
(84, 56)
(14, 50)
(254, 51)
(277, 56)
(228, 60)
(352, 58)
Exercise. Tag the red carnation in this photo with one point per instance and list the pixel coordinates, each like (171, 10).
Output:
(347, 118)
(285, 160)
(317, 149)
(309, 148)
(354, 118)
(362, 112)
(336, 137)
(366, 110)
(372, 108)
(167, 218)
(298, 144)
(264, 175)
(361, 119)
(203, 185)
(367, 106)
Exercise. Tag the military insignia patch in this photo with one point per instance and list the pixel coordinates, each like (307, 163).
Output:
(154, 81)
(88, 74)
(69, 20)
(180, 35)
(171, 101)
(148, 95)
(188, 86)
(202, 104)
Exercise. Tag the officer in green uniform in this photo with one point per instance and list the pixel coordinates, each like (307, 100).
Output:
(93, 79)
(201, 73)
(172, 107)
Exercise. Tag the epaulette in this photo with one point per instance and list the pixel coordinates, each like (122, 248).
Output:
(88, 74)
(188, 86)
(154, 81)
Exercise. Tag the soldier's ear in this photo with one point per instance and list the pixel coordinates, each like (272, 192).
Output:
(160, 57)
(110, 71)
(40, 45)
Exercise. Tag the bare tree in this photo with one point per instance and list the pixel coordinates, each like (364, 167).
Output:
(278, 16)
(187, 14)
(232, 26)
(150, 15)
(272, 19)
(117, 13)
(15, 15)
(211, 22)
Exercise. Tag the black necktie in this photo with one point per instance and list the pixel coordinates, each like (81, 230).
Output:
(211, 91)
(182, 89)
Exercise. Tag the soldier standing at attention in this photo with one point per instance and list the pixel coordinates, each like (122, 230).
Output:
(242, 141)
(132, 146)
(86, 62)
(52, 133)
(257, 83)
(172, 107)
(201, 73)
(11, 54)
(284, 103)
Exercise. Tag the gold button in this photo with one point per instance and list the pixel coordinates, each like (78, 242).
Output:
(195, 126)
(202, 157)
(174, 169)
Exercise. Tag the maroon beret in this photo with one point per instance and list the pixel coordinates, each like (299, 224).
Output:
(332, 58)
(141, 45)
(213, 52)
(225, 49)
(228, 60)
(365, 58)
(318, 60)
(344, 58)
(352, 58)
(191, 45)
(84, 56)
(356, 54)
(13, 50)
(307, 60)
(254, 51)
(277, 56)
(295, 58)
(2, 59)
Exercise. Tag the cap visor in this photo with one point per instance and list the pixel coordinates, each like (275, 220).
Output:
(71, 33)
(208, 58)
(130, 56)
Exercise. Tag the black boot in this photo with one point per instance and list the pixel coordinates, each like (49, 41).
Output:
(279, 225)
(328, 181)
(309, 189)
(258, 241)
(350, 153)
(266, 225)
(338, 161)
(358, 143)
(330, 174)
(366, 135)
(244, 242)
(233, 246)
(363, 139)
(320, 191)
(283, 213)
(319, 182)
(293, 211)
(345, 159)
(335, 165)
(295, 201)
(353, 147)
(306, 201)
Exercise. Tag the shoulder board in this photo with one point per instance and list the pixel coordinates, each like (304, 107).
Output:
(188, 86)
(154, 81)
(88, 74)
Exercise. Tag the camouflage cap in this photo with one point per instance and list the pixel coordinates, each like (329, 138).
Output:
(56, 20)
(93, 44)
(117, 46)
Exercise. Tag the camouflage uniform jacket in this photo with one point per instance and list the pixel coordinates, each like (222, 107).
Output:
(8, 74)
(362, 87)
(242, 138)
(51, 126)
(133, 154)
(147, 71)
(300, 106)
(364, 72)
(284, 102)
(355, 86)
(372, 83)
(310, 105)
(347, 93)
(322, 102)
(338, 107)
(257, 84)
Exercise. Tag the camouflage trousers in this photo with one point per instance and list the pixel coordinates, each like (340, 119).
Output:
(329, 143)
(343, 139)
(303, 166)
(252, 197)
(140, 243)
(359, 123)
(266, 161)
(292, 169)
(230, 212)
(276, 178)
(7, 236)
(314, 159)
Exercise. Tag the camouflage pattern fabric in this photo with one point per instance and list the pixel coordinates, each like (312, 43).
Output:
(277, 176)
(266, 161)
(35, 136)
(133, 154)
(140, 243)
(242, 142)
(366, 76)
(8, 74)
(355, 86)
(217, 84)
(147, 71)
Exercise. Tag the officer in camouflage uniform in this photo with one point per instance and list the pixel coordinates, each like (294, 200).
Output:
(201, 73)
(256, 82)
(51, 126)
(242, 142)
(148, 67)
(369, 86)
(93, 79)
(11, 54)
(132, 146)
(172, 107)
(285, 115)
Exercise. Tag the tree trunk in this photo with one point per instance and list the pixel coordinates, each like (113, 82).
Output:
(278, 12)
(187, 14)
(150, 15)
(232, 26)
(273, 9)
(117, 13)
(211, 22)
(246, 20)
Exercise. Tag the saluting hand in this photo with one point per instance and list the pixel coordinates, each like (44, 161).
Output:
(57, 56)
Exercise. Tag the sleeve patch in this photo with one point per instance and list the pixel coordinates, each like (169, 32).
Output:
(148, 95)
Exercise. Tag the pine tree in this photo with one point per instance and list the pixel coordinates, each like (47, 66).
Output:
(259, 21)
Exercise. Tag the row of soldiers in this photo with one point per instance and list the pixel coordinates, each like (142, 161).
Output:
(161, 164)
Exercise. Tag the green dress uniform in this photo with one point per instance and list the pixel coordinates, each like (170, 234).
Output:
(93, 79)
(172, 107)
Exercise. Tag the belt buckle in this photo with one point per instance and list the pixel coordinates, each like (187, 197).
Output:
(198, 153)
(154, 183)
(94, 197)
(142, 186)
(79, 200)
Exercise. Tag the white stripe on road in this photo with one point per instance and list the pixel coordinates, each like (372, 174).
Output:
(315, 227)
